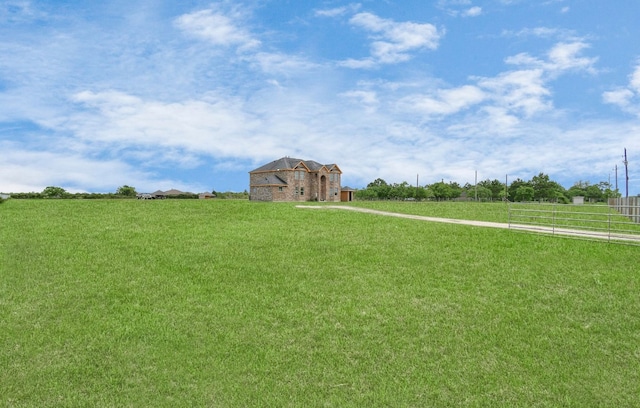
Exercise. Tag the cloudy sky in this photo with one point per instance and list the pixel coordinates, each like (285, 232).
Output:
(192, 95)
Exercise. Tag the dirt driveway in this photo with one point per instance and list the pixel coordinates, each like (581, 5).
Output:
(630, 238)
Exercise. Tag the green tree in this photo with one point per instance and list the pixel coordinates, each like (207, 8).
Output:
(54, 192)
(494, 186)
(607, 191)
(400, 191)
(515, 185)
(366, 194)
(441, 190)
(578, 189)
(593, 193)
(126, 191)
(524, 193)
(420, 193)
(456, 189)
(546, 189)
(484, 194)
(381, 188)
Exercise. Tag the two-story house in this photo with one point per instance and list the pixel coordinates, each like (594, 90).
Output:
(289, 179)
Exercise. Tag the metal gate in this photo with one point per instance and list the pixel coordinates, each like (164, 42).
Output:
(618, 222)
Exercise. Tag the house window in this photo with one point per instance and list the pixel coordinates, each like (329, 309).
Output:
(298, 175)
(301, 191)
(279, 188)
(297, 190)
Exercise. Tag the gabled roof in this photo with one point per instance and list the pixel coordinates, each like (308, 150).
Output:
(173, 191)
(284, 163)
(289, 163)
(333, 167)
(313, 165)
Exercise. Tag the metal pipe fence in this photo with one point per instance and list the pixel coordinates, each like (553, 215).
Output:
(617, 222)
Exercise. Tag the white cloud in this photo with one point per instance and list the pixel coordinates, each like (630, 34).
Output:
(217, 28)
(392, 42)
(562, 57)
(358, 63)
(565, 56)
(364, 97)
(507, 97)
(620, 97)
(445, 101)
(542, 32)
(521, 91)
(70, 169)
(461, 8)
(634, 82)
(628, 98)
(216, 125)
(472, 12)
(281, 64)
(338, 11)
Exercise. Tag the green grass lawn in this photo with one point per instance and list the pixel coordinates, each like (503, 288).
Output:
(235, 303)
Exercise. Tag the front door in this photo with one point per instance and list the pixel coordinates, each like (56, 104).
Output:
(323, 189)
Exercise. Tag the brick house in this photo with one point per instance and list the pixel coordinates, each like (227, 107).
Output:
(289, 179)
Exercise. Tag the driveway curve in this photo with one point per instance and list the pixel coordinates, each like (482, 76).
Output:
(630, 238)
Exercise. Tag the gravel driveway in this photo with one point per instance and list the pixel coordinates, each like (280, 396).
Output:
(529, 228)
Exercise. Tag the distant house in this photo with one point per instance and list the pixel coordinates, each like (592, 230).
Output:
(174, 192)
(289, 179)
(159, 194)
(206, 196)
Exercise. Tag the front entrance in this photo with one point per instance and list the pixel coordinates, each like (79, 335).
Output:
(323, 189)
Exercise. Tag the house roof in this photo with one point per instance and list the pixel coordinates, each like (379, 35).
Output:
(289, 163)
(173, 191)
(269, 180)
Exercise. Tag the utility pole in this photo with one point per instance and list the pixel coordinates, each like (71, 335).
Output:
(476, 184)
(626, 173)
(616, 178)
(506, 191)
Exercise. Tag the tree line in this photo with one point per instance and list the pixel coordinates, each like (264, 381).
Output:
(539, 188)
(123, 192)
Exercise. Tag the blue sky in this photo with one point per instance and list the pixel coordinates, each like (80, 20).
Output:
(193, 95)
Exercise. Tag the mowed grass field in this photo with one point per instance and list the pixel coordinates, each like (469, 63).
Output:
(234, 304)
